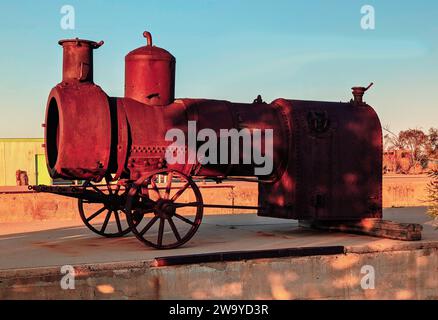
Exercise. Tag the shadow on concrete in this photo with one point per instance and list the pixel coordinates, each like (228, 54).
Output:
(61, 243)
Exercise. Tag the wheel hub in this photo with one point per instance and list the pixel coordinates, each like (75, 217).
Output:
(114, 202)
(164, 209)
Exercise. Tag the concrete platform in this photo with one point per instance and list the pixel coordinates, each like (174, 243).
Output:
(44, 244)
(31, 254)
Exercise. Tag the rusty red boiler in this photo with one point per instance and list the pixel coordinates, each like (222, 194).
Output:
(326, 156)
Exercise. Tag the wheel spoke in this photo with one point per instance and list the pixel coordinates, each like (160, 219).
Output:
(144, 192)
(184, 219)
(117, 190)
(149, 225)
(174, 229)
(168, 185)
(108, 185)
(160, 232)
(119, 225)
(155, 187)
(109, 197)
(162, 206)
(145, 200)
(180, 192)
(105, 223)
(97, 189)
(94, 215)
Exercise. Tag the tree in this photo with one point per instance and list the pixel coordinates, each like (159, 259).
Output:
(433, 194)
(391, 140)
(414, 140)
(411, 148)
(432, 143)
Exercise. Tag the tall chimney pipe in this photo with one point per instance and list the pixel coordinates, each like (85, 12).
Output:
(77, 63)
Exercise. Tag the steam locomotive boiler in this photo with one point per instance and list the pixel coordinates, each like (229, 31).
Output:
(326, 157)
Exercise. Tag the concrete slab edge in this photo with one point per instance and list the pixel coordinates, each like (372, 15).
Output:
(123, 266)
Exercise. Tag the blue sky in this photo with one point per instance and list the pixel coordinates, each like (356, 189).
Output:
(232, 50)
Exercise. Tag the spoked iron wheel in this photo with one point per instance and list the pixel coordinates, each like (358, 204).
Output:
(171, 213)
(106, 218)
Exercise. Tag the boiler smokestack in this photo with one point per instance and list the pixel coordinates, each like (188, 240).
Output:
(78, 60)
(358, 93)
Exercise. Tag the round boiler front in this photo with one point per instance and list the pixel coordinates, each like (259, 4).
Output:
(78, 133)
(52, 133)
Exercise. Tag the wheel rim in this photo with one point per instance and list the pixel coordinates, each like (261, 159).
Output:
(172, 213)
(106, 219)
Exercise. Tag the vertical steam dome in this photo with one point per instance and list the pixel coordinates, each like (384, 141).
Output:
(150, 75)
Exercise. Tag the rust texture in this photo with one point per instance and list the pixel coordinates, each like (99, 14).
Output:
(327, 156)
